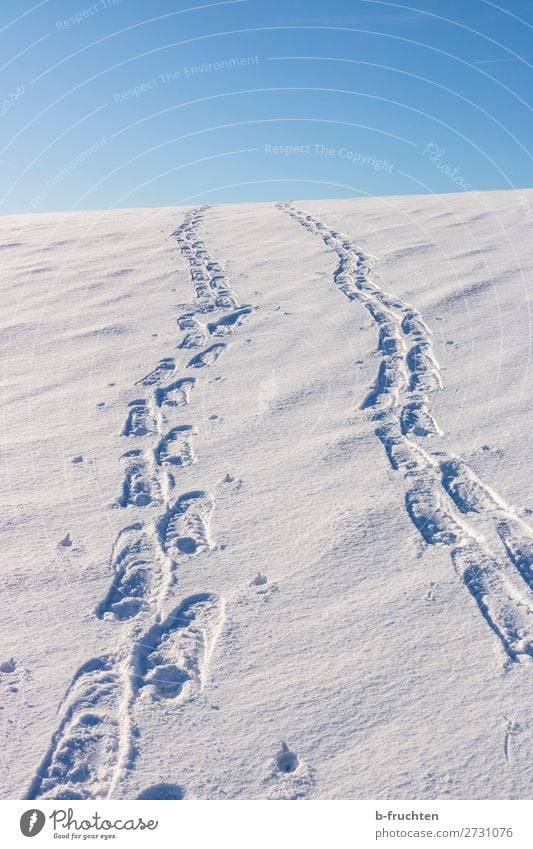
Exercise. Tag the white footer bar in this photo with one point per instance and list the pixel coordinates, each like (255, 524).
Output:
(269, 824)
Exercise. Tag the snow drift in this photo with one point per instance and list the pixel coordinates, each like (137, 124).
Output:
(267, 520)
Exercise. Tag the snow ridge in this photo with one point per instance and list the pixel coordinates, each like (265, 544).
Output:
(492, 552)
(159, 654)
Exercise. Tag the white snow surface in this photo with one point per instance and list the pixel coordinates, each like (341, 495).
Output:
(300, 564)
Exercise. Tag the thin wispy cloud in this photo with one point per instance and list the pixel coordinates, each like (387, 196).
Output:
(385, 17)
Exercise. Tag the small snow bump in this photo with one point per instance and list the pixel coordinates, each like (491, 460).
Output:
(187, 545)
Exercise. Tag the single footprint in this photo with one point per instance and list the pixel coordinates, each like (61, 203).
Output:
(195, 335)
(226, 324)
(176, 394)
(289, 778)
(286, 761)
(133, 563)
(139, 421)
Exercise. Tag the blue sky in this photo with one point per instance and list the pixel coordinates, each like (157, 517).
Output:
(116, 103)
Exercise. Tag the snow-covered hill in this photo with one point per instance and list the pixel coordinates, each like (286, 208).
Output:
(267, 519)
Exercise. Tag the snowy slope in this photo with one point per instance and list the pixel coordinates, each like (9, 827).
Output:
(335, 396)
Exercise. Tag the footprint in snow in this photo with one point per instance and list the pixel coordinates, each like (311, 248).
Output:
(286, 761)
(162, 791)
(230, 479)
(264, 589)
(66, 542)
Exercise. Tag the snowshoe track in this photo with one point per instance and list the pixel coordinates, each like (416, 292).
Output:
(93, 747)
(494, 556)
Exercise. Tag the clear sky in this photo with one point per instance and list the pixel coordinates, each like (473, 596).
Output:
(118, 103)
